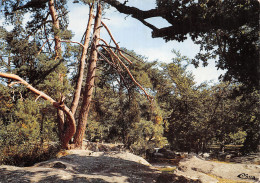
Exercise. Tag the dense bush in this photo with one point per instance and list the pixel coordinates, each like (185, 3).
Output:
(25, 136)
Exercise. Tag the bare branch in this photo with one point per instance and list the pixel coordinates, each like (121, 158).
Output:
(118, 51)
(111, 54)
(11, 84)
(121, 62)
(136, 83)
(68, 41)
(43, 46)
(121, 51)
(115, 42)
(109, 33)
(65, 41)
(39, 96)
(130, 74)
(72, 123)
(135, 12)
(106, 59)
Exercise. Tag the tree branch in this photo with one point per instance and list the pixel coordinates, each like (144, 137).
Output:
(64, 41)
(135, 12)
(68, 41)
(129, 73)
(102, 45)
(187, 18)
(72, 123)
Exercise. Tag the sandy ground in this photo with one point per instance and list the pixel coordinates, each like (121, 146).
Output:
(116, 166)
(84, 166)
(196, 168)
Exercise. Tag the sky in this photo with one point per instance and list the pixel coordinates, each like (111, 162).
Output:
(133, 35)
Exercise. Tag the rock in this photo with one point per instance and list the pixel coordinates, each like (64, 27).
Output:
(59, 165)
(191, 155)
(115, 166)
(205, 155)
(161, 153)
(195, 168)
(195, 175)
(84, 166)
(169, 178)
(229, 156)
(158, 155)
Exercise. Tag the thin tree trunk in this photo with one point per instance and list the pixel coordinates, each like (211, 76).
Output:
(78, 138)
(56, 30)
(75, 101)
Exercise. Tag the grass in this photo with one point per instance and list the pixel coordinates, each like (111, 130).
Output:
(224, 162)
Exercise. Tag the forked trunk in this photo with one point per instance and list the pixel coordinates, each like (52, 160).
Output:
(78, 138)
(71, 126)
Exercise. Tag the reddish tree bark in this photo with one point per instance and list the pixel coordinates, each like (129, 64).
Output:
(71, 129)
(56, 28)
(68, 129)
(75, 101)
(78, 138)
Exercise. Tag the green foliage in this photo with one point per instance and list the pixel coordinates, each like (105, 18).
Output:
(191, 116)
(96, 131)
(237, 49)
(187, 116)
(146, 135)
(238, 137)
(227, 31)
(121, 114)
(22, 140)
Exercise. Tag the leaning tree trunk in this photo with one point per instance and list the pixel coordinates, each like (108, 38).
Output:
(78, 138)
(75, 101)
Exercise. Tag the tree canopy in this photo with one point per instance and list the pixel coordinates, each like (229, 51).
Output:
(227, 31)
(57, 89)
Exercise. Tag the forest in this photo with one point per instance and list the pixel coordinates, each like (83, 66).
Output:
(56, 90)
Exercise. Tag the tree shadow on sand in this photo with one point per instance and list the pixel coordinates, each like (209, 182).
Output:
(79, 168)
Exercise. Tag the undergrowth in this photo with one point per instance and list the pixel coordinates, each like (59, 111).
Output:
(27, 154)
